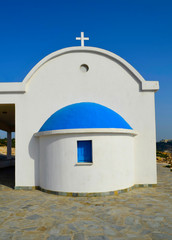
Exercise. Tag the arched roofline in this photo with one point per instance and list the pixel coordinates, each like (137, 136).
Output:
(21, 87)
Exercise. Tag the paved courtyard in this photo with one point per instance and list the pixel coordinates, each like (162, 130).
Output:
(143, 213)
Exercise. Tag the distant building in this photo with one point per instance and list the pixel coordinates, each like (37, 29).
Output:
(84, 121)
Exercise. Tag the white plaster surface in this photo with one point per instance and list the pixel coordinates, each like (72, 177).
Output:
(112, 168)
(56, 82)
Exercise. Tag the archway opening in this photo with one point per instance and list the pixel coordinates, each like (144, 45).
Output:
(7, 145)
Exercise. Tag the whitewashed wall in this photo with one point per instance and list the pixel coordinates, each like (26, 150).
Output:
(112, 168)
(58, 82)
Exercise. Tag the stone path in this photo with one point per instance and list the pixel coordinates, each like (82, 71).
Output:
(141, 214)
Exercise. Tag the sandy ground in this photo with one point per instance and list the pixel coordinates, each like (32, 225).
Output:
(3, 150)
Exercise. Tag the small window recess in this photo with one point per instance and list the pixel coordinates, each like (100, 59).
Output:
(84, 152)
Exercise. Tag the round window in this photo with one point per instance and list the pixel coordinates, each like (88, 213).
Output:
(84, 68)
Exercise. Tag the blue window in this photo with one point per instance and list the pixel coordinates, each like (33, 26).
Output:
(84, 151)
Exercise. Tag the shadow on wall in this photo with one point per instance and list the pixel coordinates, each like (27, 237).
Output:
(34, 154)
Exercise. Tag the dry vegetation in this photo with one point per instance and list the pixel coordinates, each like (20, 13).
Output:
(165, 157)
(3, 150)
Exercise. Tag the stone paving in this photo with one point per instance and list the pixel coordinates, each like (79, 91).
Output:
(141, 214)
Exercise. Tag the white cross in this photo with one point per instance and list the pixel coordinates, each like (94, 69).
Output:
(82, 38)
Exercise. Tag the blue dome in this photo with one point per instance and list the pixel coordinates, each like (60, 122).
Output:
(84, 115)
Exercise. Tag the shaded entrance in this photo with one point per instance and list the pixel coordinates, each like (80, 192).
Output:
(7, 177)
(7, 160)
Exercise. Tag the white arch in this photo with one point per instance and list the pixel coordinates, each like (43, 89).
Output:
(21, 87)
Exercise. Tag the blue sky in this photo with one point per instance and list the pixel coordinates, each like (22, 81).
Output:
(138, 31)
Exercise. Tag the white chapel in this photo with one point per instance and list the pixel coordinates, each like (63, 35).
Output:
(84, 122)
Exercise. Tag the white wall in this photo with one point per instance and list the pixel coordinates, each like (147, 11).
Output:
(60, 82)
(112, 168)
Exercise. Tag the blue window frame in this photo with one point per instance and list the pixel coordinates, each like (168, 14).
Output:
(84, 149)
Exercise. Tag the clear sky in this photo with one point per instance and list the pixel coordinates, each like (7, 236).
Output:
(138, 31)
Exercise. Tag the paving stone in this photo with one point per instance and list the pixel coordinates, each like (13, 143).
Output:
(3, 208)
(17, 235)
(52, 237)
(166, 229)
(72, 227)
(33, 217)
(119, 228)
(161, 236)
(29, 229)
(146, 231)
(136, 227)
(5, 236)
(129, 220)
(59, 237)
(153, 224)
(78, 236)
(54, 231)
(27, 206)
(98, 238)
(141, 214)
(109, 231)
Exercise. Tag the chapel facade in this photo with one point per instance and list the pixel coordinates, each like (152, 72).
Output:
(84, 123)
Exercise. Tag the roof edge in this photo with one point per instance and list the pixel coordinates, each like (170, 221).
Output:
(12, 87)
(146, 85)
(22, 86)
(87, 130)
